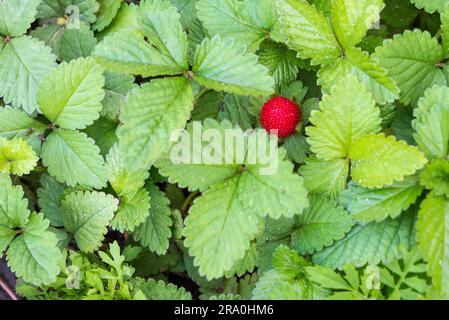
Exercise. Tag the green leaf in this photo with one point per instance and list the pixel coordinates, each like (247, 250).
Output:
(71, 95)
(106, 13)
(16, 157)
(430, 5)
(378, 160)
(435, 176)
(361, 245)
(14, 211)
(411, 60)
(117, 87)
(224, 65)
(159, 290)
(218, 229)
(368, 205)
(123, 181)
(86, 215)
(34, 254)
(308, 31)
(346, 114)
(24, 62)
(432, 236)
(432, 122)
(248, 22)
(73, 158)
(50, 195)
(16, 16)
(366, 69)
(132, 212)
(16, 124)
(320, 225)
(154, 233)
(352, 19)
(325, 177)
(152, 113)
(60, 8)
(76, 43)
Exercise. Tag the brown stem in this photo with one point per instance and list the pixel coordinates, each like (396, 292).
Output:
(7, 289)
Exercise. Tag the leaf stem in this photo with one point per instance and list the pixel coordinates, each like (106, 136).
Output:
(7, 289)
(188, 201)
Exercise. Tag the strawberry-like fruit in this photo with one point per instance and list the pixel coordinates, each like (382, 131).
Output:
(280, 114)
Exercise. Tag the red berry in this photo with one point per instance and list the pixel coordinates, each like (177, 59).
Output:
(280, 114)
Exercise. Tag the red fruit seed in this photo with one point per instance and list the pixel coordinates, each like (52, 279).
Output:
(280, 114)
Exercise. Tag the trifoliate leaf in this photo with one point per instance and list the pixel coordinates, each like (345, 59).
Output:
(432, 236)
(154, 233)
(106, 13)
(249, 22)
(73, 158)
(24, 62)
(123, 181)
(325, 177)
(50, 195)
(435, 176)
(352, 19)
(367, 205)
(411, 60)
(75, 9)
(370, 243)
(152, 113)
(14, 211)
(34, 254)
(346, 114)
(218, 229)
(133, 210)
(86, 216)
(378, 160)
(71, 95)
(159, 290)
(76, 43)
(432, 122)
(308, 31)
(117, 87)
(16, 16)
(16, 157)
(366, 69)
(430, 5)
(320, 225)
(224, 65)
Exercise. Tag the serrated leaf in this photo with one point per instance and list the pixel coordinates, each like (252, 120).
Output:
(71, 95)
(106, 13)
(218, 229)
(117, 86)
(308, 31)
(17, 124)
(14, 211)
(224, 65)
(361, 245)
(73, 158)
(152, 113)
(378, 160)
(325, 177)
(159, 290)
(432, 228)
(50, 195)
(432, 122)
(411, 60)
(366, 69)
(34, 254)
(352, 19)
(132, 212)
(16, 157)
(368, 205)
(249, 22)
(320, 225)
(86, 216)
(76, 43)
(154, 233)
(24, 62)
(346, 114)
(76, 9)
(435, 176)
(430, 5)
(16, 16)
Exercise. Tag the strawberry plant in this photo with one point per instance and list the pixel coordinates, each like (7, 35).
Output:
(138, 158)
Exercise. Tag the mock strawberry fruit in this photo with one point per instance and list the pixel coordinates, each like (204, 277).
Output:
(280, 114)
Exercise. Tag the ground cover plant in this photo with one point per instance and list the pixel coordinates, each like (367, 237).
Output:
(117, 180)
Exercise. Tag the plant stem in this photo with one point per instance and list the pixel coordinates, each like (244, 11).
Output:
(7, 289)
(188, 201)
